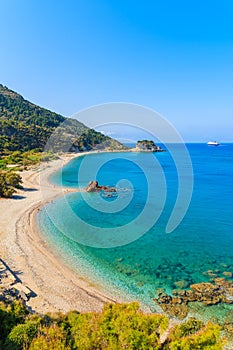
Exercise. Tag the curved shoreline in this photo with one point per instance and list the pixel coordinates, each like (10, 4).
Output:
(33, 261)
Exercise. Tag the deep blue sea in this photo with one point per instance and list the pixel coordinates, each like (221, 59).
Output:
(80, 226)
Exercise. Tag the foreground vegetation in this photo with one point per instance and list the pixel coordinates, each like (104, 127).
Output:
(118, 326)
(9, 182)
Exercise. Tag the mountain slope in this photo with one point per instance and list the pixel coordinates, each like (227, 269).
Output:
(25, 126)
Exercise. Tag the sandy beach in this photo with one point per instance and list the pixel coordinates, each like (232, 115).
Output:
(57, 288)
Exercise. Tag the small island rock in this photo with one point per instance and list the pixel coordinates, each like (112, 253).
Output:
(94, 186)
(148, 146)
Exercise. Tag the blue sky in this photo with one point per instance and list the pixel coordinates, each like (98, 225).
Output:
(173, 56)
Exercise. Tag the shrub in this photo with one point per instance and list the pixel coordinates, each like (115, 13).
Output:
(21, 335)
(9, 181)
(50, 338)
(118, 326)
(184, 337)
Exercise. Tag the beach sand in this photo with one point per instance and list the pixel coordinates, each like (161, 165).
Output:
(57, 288)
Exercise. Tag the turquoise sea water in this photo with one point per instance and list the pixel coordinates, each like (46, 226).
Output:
(202, 242)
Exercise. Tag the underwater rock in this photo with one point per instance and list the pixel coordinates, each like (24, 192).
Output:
(224, 265)
(227, 274)
(182, 284)
(210, 273)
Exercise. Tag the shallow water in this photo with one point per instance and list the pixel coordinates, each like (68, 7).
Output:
(202, 242)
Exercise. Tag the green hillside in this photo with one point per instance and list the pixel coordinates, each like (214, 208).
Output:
(25, 126)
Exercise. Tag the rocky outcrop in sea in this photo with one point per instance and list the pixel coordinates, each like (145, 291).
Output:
(94, 186)
(220, 291)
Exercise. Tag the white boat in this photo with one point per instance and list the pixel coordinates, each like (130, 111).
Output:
(213, 143)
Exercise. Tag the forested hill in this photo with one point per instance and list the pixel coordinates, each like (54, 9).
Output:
(25, 126)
